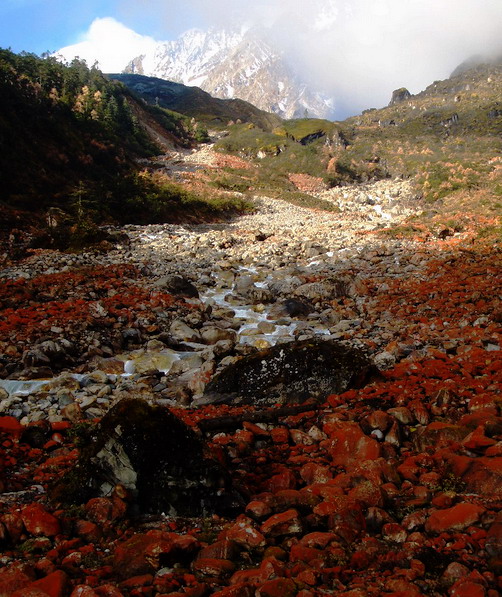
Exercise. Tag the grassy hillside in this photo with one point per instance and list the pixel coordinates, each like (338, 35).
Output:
(448, 139)
(70, 138)
(194, 102)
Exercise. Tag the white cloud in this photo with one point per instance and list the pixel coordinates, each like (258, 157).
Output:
(109, 43)
(357, 51)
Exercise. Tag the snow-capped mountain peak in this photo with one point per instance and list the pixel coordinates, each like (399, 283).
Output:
(231, 64)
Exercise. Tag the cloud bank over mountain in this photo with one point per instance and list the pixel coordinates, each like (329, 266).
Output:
(356, 51)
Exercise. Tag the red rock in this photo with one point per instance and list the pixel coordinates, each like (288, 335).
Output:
(348, 445)
(493, 543)
(394, 532)
(344, 517)
(221, 550)
(88, 531)
(39, 522)
(245, 534)
(108, 591)
(292, 498)
(141, 553)
(269, 568)
(16, 576)
(285, 523)
(477, 441)
(283, 480)
(28, 592)
(143, 580)
(368, 494)
(11, 426)
(401, 588)
(258, 509)
(213, 567)
(279, 587)
(467, 588)
(315, 473)
(318, 539)
(484, 475)
(457, 518)
(301, 553)
(255, 429)
(280, 435)
(454, 572)
(299, 437)
(56, 584)
(237, 590)
(438, 435)
(83, 591)
(99, 510)
(14, 526)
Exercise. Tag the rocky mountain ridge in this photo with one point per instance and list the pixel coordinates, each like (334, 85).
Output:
(233, 64)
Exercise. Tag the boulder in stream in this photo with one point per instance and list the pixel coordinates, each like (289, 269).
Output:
(290, 373)
(157, 457)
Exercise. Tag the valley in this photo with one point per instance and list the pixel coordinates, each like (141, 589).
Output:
(293, 392)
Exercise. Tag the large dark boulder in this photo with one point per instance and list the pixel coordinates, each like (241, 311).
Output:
(290, 373)
(157, 457)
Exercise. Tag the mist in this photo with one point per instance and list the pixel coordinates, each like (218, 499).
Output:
(355, 51)
(359, 51)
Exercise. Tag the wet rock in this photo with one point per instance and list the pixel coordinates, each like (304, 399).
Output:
(290, 373)
(178, 285)
(156, 457)
(181, 332)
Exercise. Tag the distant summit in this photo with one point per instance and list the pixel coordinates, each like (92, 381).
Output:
(233, 64)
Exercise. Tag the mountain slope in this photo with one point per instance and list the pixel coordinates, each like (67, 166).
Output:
(194, 102)
(232, 65)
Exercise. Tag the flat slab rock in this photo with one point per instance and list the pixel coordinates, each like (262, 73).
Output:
(156, 457)
(290, 373)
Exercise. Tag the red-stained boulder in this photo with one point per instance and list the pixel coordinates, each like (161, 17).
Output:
(280, 435)
(56, 584)
(279, 587)
(318, 539)
(284, 523)
(270, 568)
(213, 567)
(482, 475)
(438, 435)
(14, 526)
(221, 550)
(88, 531)
(348, 445)
(39, 522)
(244, 533)
(11, 426)
(137, 582)
(242, 589)
(15, 576)
(283, 480)
(457, 518)
(142, 554)
(258, 509)
(344, 517)
(83, 591)
(315, 473)
(467, 588)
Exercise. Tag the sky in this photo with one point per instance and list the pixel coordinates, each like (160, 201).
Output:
(356, 51)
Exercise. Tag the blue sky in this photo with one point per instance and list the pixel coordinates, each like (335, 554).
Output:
(355, 51)
(47, 25)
